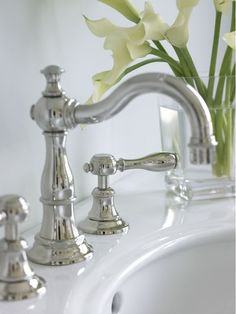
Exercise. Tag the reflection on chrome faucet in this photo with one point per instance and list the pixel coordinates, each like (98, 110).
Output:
(58, 241)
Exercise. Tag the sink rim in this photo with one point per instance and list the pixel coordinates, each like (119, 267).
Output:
(178, 239)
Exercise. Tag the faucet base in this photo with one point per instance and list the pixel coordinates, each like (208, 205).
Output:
(107, 227)
(103, 218)
(57, 253)
(22, 290)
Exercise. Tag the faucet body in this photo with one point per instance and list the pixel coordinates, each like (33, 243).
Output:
(58, 241)
(56, 114)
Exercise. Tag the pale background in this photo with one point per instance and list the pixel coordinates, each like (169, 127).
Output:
(36, 33)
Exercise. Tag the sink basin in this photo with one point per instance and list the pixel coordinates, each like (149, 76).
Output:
(193, 276)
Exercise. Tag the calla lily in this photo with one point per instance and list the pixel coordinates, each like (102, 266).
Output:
(154, 26)
(178, 33)
(100, 87)
(125, 51)
(125, 7)
(222, 6)
(126, 46)
(128, 43)
(184, 4)
(230, 39)
(100, 28)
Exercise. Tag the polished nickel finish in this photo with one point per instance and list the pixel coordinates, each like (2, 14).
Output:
(58, 242)
(103, 217)
(202, 142)
(17, 279)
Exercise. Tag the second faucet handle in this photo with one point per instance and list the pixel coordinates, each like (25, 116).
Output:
(103, 217)
(106, 164)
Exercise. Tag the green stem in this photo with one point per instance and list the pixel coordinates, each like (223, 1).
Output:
(226, 63)
(199, 84)
(172, 62)
(138, 65)
(213, 58)
(228, 130)
(184, 65)
(159, 46)
(224, 135)
(218, 103)
(224, 70)
(232, 96)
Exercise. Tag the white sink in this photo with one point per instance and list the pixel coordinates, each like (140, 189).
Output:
(173, 260)
(191, 279)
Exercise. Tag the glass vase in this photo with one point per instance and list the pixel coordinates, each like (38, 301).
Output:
(200, 182)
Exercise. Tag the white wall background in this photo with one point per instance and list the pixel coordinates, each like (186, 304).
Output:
(36, 33)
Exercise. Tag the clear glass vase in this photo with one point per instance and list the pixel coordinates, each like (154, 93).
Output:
(199, 182)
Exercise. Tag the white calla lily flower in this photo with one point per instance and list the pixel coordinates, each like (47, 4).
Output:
(186, 4)
(178, 33)
(100, 28)
(125, 7)
(124, 52)
(130, 43)
(155, 27)
(230, 39)
(126, 44)
(100, 87)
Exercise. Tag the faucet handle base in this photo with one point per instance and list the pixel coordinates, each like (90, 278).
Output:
(97, 227)
(103, 218)
(63, 252)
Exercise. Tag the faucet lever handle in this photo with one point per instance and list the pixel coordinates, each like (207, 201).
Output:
(52, 74)
(155, 162)
(106, 164)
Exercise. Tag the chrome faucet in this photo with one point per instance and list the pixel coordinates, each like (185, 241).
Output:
(58, 241)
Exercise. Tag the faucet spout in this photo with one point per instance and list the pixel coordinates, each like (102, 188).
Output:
(202, 141)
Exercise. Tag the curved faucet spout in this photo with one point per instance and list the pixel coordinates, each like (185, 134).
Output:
(202, 141)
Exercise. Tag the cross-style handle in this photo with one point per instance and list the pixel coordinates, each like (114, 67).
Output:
(13, 209)
(18, 280)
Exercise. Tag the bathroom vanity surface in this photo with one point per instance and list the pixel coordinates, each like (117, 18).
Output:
(174, 257)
